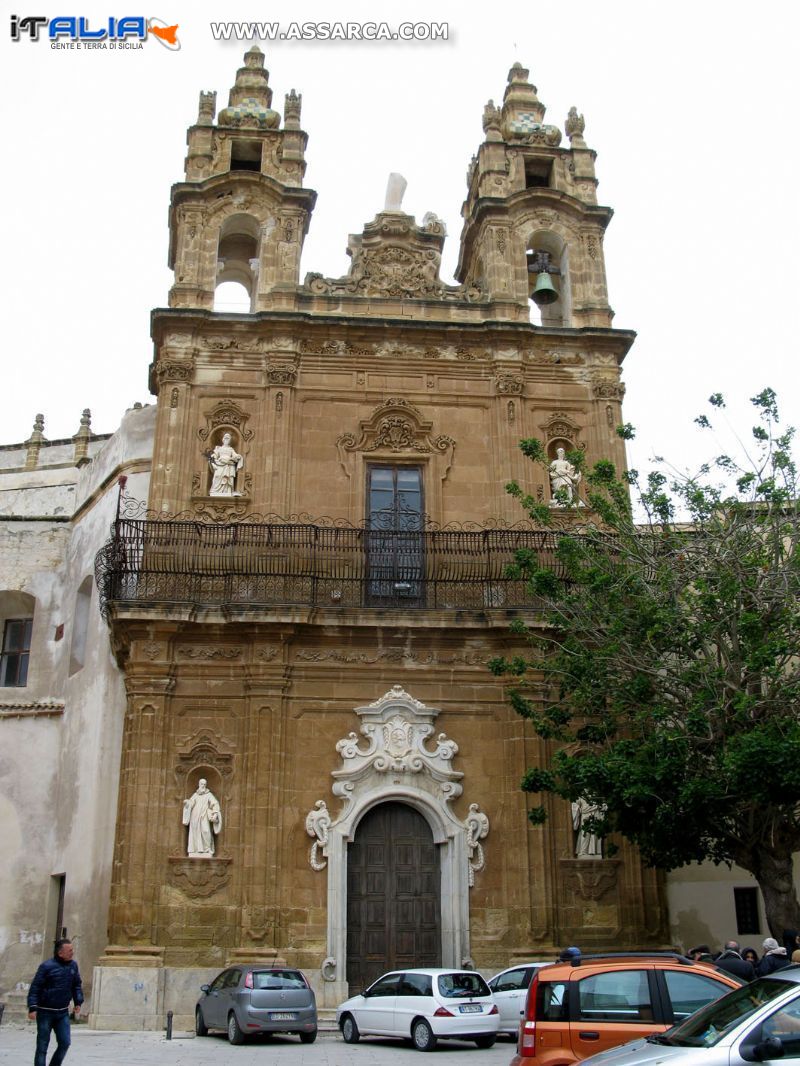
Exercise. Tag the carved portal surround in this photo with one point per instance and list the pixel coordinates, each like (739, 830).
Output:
(394, 760)
(397, 432)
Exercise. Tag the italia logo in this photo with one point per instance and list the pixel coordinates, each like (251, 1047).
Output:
(77, 28)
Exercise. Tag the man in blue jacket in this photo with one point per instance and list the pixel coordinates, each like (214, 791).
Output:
(57, 981)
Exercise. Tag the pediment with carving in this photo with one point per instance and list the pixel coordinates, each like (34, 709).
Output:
(396, 427)
(561, 427)
(226, 414)
(397, 259)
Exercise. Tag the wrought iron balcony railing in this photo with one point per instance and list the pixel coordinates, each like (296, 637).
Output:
(315, 564)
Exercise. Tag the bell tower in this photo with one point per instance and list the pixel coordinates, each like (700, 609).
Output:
(241, 214)
(532, 226)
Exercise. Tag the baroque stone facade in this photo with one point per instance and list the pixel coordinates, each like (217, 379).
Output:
(311, 639)
(389, 401)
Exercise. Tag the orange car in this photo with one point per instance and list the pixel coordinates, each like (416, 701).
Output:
(579, 1008)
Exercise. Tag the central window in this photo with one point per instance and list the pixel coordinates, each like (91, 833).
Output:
(395, 546)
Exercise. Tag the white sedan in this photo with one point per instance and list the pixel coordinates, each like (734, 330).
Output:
(425, 1006)
(510, 988)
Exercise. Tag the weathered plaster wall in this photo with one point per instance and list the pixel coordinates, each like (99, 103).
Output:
(701, 905)
(60, 735)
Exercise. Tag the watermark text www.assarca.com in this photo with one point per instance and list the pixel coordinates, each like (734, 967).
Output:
(329, 31)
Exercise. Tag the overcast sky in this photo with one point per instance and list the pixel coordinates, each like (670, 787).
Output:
(691, 107)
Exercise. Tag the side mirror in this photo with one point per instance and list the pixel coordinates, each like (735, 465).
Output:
(204, 988)
(771, 1048)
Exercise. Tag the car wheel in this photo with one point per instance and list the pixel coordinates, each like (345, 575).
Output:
(235, 1034)
(485, 1042)
(308, 1038)
(200, 1027)
(422, 1035)
(350, 1030)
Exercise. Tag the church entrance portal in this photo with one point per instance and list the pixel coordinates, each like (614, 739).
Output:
(393, 895)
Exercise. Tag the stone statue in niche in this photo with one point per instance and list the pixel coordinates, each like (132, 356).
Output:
(588, 845)
(225, 463)
(201, 812)
(564, 478)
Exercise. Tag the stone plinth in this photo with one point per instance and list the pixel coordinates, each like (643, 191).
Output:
(128, 989)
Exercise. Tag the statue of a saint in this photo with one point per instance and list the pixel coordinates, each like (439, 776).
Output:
(588, 845)
(564, 477)
(225, 463)
(203, 816)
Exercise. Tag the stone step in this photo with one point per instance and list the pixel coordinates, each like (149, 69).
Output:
(16, 1008)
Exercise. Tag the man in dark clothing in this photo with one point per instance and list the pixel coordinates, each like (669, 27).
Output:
(732, 961)
(57, 981)
(774, 958)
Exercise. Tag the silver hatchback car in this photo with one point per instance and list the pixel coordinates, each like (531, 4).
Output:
(756, 1023)
(245, 1000)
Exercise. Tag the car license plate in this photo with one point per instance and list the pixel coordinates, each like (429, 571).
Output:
(470, 1008)
(283, 1016)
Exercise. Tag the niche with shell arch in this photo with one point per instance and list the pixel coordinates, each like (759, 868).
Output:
(238, 252)
(558, 313)
(219, 439)
(226, 418)
(204, 756)
(560, 431)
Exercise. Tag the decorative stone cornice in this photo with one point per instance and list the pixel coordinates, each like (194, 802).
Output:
(225, 342)
(43, 708)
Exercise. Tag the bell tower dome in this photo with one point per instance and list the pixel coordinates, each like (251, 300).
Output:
(241, 214)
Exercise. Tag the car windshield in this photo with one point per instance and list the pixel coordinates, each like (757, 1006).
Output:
(462, 985)
(712, 1022)
(278, 979)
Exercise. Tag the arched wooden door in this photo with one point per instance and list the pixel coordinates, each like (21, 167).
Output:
(393, 895)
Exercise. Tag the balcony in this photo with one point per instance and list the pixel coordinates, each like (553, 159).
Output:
(262, 565)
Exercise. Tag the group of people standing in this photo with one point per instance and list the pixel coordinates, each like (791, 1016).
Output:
(745, 962)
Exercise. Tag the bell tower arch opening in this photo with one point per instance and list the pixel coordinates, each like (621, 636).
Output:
(547, 260)
(237, 262)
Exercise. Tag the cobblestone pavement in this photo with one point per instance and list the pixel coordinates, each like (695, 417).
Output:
(91, 1047)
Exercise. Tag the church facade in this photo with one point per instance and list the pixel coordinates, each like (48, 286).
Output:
(297, 751)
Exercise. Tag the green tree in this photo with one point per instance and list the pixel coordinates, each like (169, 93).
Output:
(667, 675)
